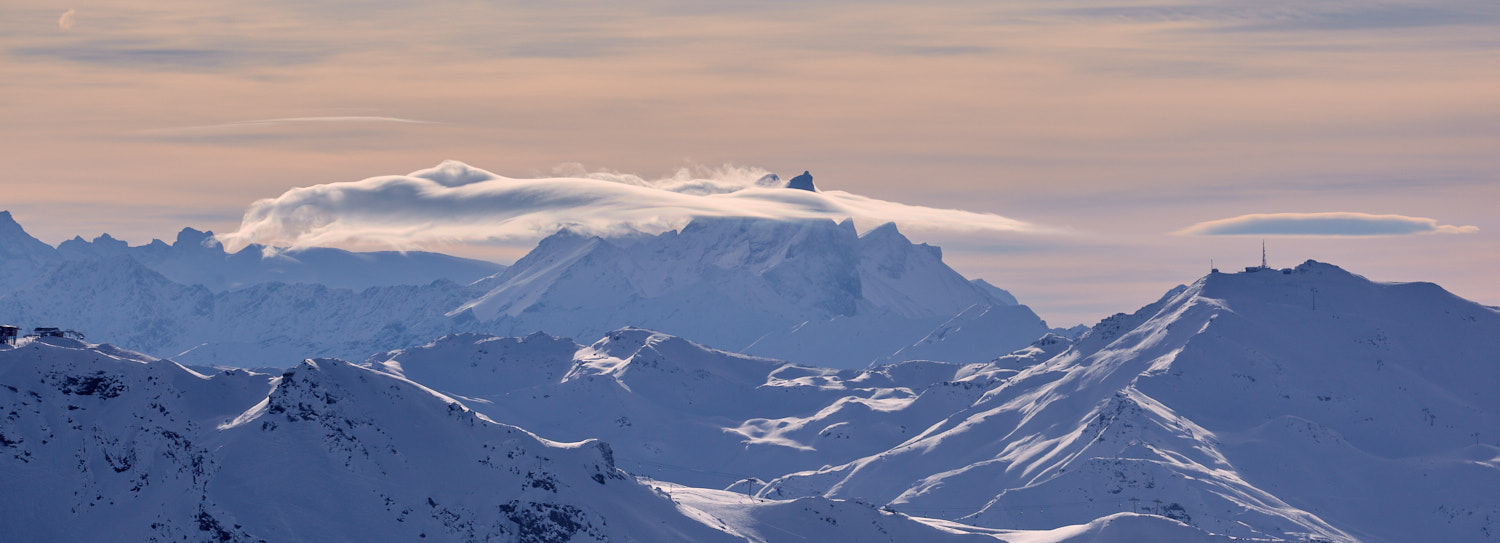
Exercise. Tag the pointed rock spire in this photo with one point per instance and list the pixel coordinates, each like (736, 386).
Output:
(802, 182)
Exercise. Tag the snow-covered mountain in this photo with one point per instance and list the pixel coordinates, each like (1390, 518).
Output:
(810, 291)
(1305, 402)
(100, 444)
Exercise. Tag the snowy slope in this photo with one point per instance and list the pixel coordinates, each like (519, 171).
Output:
(100, 444)
(807, 291)
(1247, 408)
(972, 332)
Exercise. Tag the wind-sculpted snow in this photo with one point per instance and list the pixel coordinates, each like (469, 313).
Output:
(99, 444)
(1306, 402)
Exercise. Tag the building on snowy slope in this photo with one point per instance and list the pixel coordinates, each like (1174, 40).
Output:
(48, 331)
(8, 334)
(1262, 266)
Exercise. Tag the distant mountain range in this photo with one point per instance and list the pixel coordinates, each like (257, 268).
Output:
(812, 291)
(196, 258)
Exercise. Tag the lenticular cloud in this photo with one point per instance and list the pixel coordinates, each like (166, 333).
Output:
(454, 202)
(1322, 224)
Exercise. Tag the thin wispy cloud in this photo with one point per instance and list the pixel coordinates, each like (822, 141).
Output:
(193, 53)
(1323, 224)
(261, 123)
(454, 202)
(279, 129)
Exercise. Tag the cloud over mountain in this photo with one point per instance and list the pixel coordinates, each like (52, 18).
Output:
(1322, 224)
(454, 202)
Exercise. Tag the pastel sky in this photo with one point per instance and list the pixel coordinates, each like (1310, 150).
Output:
(1103, 150)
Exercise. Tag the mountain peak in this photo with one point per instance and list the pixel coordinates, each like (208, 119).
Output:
(192, 238)
(20, 250)
(1309, 274)
(9, 227)
(107, 241)
(802, 182)
(884, 230)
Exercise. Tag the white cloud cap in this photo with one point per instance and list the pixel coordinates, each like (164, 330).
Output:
(1334, 224)
(454, 202)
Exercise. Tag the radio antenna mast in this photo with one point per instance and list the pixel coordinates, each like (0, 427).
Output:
(1263, 254)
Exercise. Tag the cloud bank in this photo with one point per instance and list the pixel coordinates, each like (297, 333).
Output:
(1322, 224)
(454, 202)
